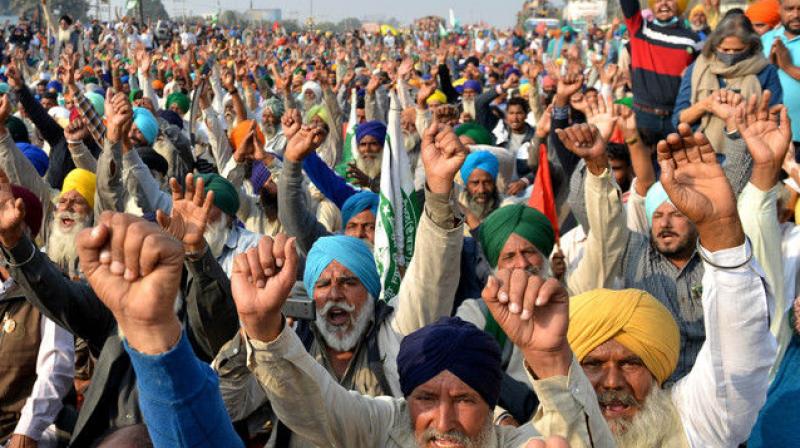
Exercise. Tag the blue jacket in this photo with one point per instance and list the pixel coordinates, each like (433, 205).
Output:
(768, 77)
(180, 400)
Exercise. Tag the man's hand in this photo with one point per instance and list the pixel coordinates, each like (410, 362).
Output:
(135, 270)
(5, 110)
(551, 442)
(425, 91)
(359, 177)
(516, 187)
(14, 77)
(585, 141)
(290, 123)
(261, 281)
(534, 314)
(303, 143)
(768, 135)
(373, 84)
(567, 86)
(601, 114)
(544, 123)
(697, 186)
(69, 63)
(189, 217)
(249, 148)
(12, 214)
(76, 131)
(119, 116)
(228, 80)
(442, 155)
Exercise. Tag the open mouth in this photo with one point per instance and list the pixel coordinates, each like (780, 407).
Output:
(67, 222)
(338, 317)
(614, 409)
(445, 442)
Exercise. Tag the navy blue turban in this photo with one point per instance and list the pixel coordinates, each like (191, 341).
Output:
(357, 203)
(455, 345)
(373, 128)
(473, 85)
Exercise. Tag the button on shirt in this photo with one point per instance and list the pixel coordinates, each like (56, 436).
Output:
(791, 86)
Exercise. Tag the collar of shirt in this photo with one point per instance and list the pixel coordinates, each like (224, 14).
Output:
(780, 32)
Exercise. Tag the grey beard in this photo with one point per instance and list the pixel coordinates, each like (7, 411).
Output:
(216, 235)
(269, 130)
(411, 140)
(469, 107)
(654, 424)
(479, 441)
(482, 210)
(370, 167)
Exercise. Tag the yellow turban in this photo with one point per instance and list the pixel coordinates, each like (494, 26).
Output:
(83, 182)
(437, 96)
(681, 5)
(698, 9)
(633, 318)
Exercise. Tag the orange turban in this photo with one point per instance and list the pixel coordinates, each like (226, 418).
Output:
(765, 11)
(158, 84)
(240, 132)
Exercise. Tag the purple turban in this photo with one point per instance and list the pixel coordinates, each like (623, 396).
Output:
(455, 345)
(472, 85)
(372, 128)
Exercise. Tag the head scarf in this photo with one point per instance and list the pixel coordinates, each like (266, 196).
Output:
(275, 105)
(525, 221)
(240, 132)
(633, 318)
(98, 102)
(372, 128)
(351, 252)
(33, 208)
(472, 85)
(181, 99)
(146, 123)
(764, 11)
(82, 181)
(320, 110)
(226, 198)
(476, 132)
(36, 156)
(314, 87)
(153, 160)
(357, 203)
(171, 117)
(439, 96)
(17, 130)
(456, 346)
(656, 196)
(481, 160)
(259, 175)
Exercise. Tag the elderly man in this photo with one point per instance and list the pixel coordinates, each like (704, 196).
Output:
(271, 126)
(41, 353)
(448, 372)
(365, 170)
(480, 196)
(354, 336)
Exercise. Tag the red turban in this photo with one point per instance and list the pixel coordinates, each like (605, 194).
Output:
(33, 208)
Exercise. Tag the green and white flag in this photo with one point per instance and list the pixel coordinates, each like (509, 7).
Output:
(131, 4)
(350, 146)
(398, 209)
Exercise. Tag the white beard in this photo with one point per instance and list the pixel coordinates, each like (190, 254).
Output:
(370, 167)
(469, 107)
(653, 426)
(216, 235)
(61, 247)
(410, 140)
(479, 441)
(269, 130)
(339, 338)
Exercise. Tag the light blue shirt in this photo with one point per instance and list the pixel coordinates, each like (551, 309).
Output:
(239, 240)
(791, 86)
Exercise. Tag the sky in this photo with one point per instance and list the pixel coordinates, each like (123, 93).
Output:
(495, 12)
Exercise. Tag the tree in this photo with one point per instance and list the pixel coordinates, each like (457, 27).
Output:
(153, 10)
(75, 8)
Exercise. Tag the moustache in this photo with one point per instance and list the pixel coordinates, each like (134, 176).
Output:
(608, 397)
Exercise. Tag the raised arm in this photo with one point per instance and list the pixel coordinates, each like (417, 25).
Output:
(719, 400)
(18, 168)
(283, 366)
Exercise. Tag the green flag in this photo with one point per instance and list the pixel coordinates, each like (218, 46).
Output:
(398, 209)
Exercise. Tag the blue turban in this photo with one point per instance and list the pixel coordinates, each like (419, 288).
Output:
(455, 345)
(483, 160)
(54, 85)
(36, 156)
(357, 203)
(656, 196)
(351, 252)
(513, 71)
(146, 123)
(372, 128)
(473, 85)
(259, 175)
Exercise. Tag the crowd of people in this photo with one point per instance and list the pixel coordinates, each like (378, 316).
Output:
(195, 221)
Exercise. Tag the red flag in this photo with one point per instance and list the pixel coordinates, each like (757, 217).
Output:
(276, 26)
(542, 198)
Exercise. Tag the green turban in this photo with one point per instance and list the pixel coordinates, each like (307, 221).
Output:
(525, 221)
(17, 130)
(90, 80)
(226, 197)
(180, 99)
(320, 110)
(476, 132)
(135, 94)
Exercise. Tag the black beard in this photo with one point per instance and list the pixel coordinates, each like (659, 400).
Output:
(269, 203)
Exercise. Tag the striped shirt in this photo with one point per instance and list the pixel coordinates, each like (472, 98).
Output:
(93, 120)
(659, 55)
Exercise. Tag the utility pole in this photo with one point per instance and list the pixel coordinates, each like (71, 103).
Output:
(141, 13)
